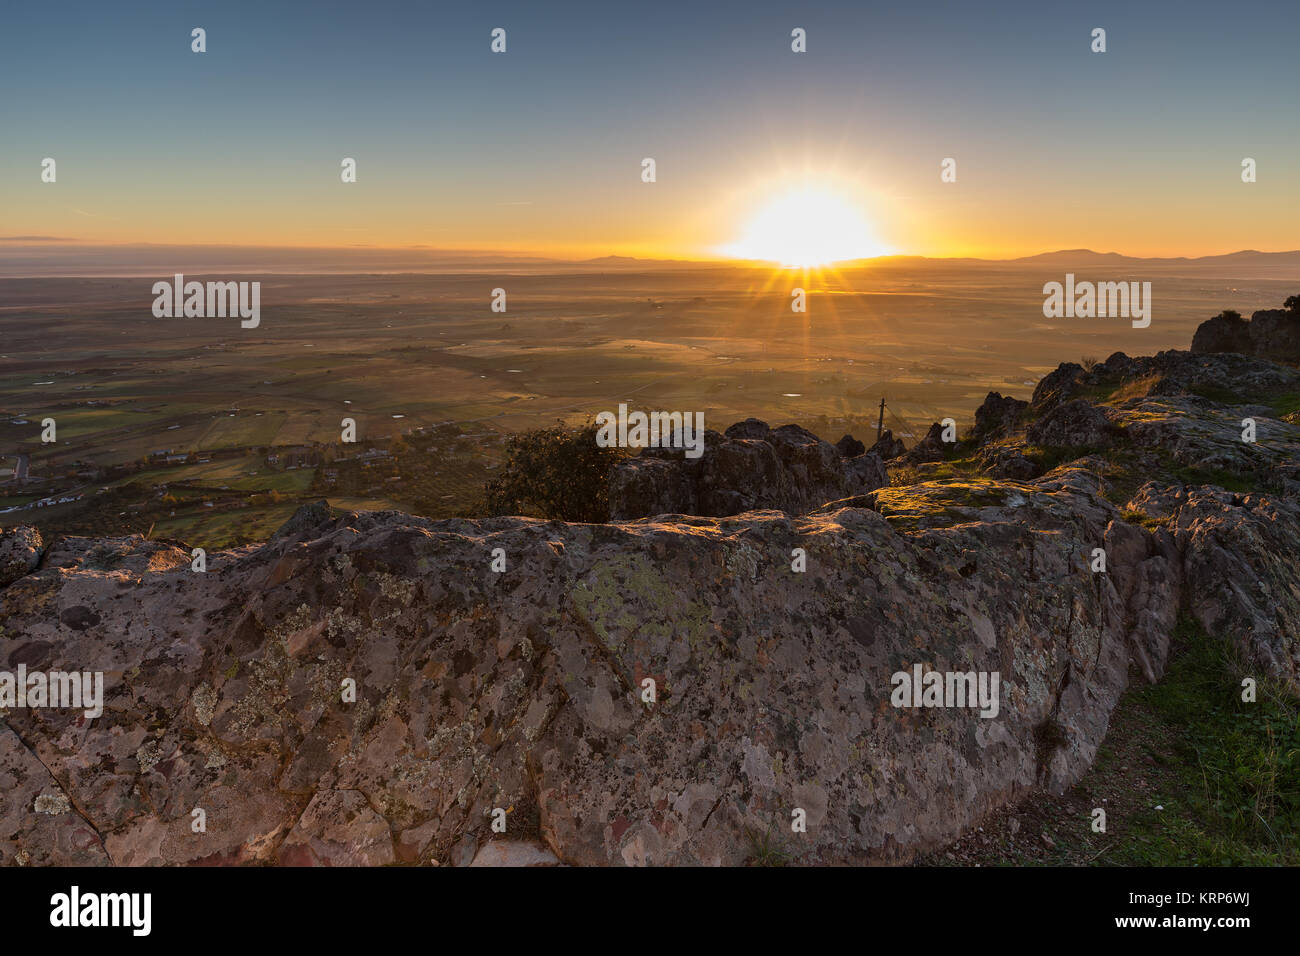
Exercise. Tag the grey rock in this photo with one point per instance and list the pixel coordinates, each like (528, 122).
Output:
(750, 467)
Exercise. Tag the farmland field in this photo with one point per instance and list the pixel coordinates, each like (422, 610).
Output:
(401, 352)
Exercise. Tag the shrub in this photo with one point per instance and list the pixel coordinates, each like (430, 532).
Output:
(1292, 304)
(556, 472)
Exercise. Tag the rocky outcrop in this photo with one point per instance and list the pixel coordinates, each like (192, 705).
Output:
(850, 447)
(1270, 333)
(751, 467)
(887, 447)
(1073, 424)
(1227, 332)
(227, 690)
(20, 552)
(1181, 417)
(1008, 461)
(930, 448)
(1247, 591)
(998, 414)
(1166, 374)
(366, 689)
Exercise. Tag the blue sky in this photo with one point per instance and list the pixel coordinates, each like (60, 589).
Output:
(540, 147)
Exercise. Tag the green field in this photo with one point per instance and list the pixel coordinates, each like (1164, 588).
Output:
(401, 351)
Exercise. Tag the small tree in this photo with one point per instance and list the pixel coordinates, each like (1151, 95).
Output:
(1231, 315)
(557, 472)
(1292, 304)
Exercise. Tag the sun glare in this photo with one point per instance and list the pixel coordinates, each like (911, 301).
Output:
(808, 226)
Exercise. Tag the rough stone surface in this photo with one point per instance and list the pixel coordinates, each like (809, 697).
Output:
(751, 467)
(998, 414)
(850, 447)
(514, 853)
(887, 447)
(932, 447)
(478, 690)
(1073, 424)
(1222, 334)
(20, 552)
(1270, 333)
(1165, 374)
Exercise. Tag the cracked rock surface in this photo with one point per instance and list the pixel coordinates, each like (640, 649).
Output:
(229, 692)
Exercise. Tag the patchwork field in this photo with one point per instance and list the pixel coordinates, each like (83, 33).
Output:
(401, 352)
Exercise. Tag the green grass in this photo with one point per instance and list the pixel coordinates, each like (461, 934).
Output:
(1227, 480)
(1234, 766)
(1051, 457)
(1225, 775)
(1285, 404)
(213, 529)
(765, 849)
(1222, 396)
(1133, 516)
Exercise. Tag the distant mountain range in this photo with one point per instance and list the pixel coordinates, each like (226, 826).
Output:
(1244, 257)
(51, 256)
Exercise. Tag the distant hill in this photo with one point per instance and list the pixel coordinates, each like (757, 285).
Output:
(49, 256)
(1248, 257)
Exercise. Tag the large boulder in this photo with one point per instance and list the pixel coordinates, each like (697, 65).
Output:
(523, 690)
(998, 415)
(750, 467)
(850, 447)
(1270, 333)
(1056, 387)
(930, 448)
(1075, 424)
(1227, 332)
(20, 552)
(1275, 334)
(887, 447)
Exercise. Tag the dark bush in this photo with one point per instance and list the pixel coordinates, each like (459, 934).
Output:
(556, 472)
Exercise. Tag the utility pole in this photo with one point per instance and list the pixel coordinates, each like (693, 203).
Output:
(880, 425)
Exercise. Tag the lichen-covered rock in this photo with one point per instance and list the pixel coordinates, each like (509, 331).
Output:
(998, 414)
(887, 447)
(1240, 571)
(365, 689)
(1275, 334)
(751, 467)
(931, 447)
(1073, 424)
(1167, 374)
(1270, 333)
(475, 691)
(20, 552)
(850, 447)
(1223, 333)
(1008, 461)
(1056, 387)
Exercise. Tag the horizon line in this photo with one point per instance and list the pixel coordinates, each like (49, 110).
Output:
(53, 246)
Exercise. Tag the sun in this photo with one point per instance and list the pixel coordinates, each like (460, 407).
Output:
(806, 226)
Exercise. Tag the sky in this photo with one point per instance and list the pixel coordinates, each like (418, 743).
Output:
(539, 150)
